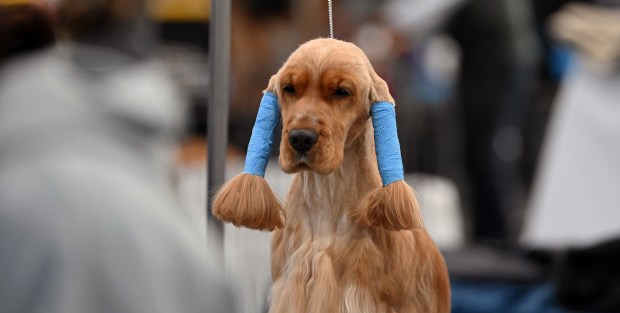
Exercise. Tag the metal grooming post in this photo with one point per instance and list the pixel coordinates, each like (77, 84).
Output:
(217, 129)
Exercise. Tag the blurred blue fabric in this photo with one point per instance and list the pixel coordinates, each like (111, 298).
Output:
(500, 297)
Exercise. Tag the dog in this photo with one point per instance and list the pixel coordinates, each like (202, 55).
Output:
(342, 242)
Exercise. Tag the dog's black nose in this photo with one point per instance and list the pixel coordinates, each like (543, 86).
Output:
(302, 140)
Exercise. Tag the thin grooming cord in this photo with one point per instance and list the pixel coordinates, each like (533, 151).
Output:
(331, 18)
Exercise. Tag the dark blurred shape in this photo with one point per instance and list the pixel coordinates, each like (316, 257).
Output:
(267, 8)
(184, 22)
(24, 27)
(494, 278)
(589, 278)
(84, 18)
(499, 57)
(120, 24)
(495, 263)
(191, 33)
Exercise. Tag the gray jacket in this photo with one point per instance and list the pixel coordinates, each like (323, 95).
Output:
(88, 219)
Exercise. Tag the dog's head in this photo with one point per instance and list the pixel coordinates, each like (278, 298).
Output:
(325, 90)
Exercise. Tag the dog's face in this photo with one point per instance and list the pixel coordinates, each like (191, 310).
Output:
(325, 90)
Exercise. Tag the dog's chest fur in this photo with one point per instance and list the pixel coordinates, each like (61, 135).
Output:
(320, 255)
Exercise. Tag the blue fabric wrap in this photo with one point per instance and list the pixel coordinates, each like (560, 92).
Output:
(387, 146)
(261, 141)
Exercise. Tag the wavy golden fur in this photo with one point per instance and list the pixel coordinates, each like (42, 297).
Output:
(348, 244)
(248, 201)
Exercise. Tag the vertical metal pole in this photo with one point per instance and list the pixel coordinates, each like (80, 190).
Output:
(217, 129)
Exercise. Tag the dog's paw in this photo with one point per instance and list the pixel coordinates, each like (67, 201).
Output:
(393, 207)
(248, 201)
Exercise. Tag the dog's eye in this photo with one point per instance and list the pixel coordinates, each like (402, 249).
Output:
(342, 92)
(289, 89)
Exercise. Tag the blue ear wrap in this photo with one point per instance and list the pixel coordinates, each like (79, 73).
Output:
(247, 200)
(387, 145)
(261, 141)
(393, 206)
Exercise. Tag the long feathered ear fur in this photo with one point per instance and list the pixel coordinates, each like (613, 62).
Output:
(394, 206)
(248, 201)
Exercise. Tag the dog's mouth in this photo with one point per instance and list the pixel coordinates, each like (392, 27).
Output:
(308, 161)
(295, 162)
(302, 161)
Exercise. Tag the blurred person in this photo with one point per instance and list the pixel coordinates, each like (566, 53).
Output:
(88, 219)
(574, 205)
(581, 145)
(25, 26)
(478, 142)
(499, 55)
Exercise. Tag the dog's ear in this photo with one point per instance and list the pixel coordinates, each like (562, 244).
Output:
(272, 86)
(379, 90)
(248, 200)
(394, 206)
